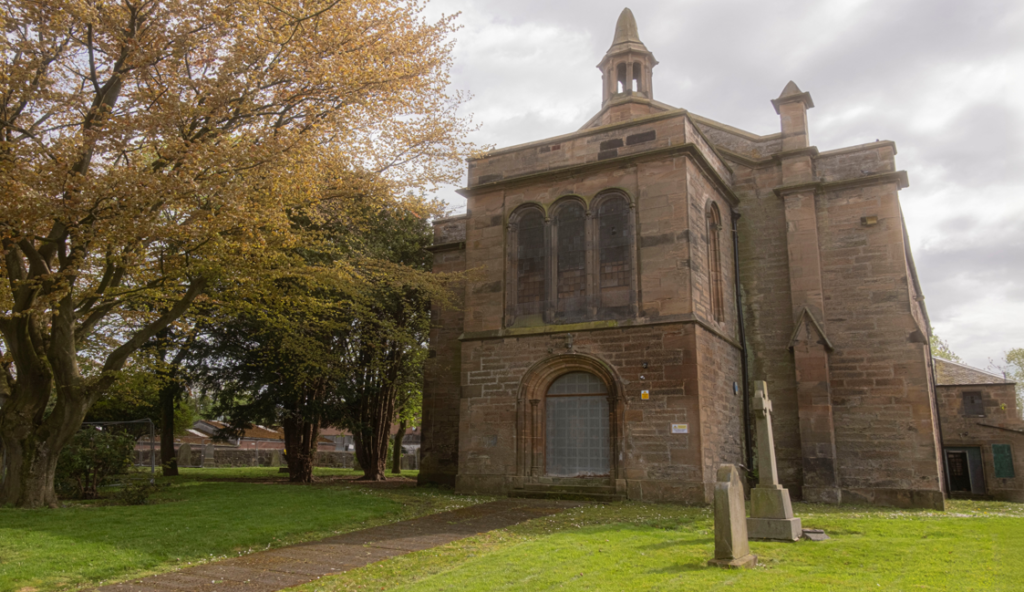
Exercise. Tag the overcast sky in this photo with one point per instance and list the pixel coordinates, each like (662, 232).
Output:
(943, 79)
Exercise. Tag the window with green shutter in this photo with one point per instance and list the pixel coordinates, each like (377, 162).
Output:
(1003, 461)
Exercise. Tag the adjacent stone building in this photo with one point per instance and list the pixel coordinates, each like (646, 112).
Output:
(982, 432)
(631, 279)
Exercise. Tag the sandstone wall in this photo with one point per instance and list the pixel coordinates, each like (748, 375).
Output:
(441, 385)
(883, 407)
(881, 395)
(655, 463)
(1000, 425)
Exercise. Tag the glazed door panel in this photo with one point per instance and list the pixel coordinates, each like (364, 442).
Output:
(577, 436)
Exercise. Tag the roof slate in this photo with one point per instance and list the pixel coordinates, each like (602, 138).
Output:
(948, 373)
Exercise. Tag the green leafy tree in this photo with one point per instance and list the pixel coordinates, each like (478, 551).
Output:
(408, 406)
(327, 345)
(151, 148)
(91, 459)
(136, 395)
(1013, 367)
(941, 349)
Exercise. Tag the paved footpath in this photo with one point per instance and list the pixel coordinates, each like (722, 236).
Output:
(290, 566)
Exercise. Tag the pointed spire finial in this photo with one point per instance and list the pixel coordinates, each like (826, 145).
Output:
(625, 29)
(791, 90)
(792, 94)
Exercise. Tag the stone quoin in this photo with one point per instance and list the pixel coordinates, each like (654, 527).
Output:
(628, 275)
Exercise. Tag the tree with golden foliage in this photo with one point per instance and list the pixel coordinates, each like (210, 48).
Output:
(149, 148)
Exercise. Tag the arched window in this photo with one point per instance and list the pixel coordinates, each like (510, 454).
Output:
(623, 80)
(615, 260)
(577, 426)
(570, 230)
(577, 383)
(714, 223)
(574, 267)
(638, 69)
(531, 263)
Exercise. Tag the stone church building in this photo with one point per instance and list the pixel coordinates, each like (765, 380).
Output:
(629, 282)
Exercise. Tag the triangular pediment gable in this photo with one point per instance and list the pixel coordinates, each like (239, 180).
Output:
(806, 319)
(654, 107)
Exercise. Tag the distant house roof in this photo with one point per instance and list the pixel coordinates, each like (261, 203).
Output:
(949, 373)
(330, 432)
(209, 428)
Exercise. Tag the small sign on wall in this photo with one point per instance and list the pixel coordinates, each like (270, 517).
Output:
(680, 428)
(645, 394)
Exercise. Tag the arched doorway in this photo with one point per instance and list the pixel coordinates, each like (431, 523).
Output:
(577, 427)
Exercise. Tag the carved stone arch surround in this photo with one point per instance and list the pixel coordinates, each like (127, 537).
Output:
(531, 412)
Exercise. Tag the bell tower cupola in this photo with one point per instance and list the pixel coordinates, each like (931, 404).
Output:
(626, 68)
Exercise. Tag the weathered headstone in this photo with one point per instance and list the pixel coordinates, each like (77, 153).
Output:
(184, 455)
(815, 534)
(771, 511)
(731, 546)
(209, 456)
(275, 458)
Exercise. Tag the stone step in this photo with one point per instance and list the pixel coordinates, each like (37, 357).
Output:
(581, 496)
(571, 488)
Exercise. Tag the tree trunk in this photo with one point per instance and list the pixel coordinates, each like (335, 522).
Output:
(168, 460)
(396, 461)
(300, 442)
(30, 453)
(372, 449)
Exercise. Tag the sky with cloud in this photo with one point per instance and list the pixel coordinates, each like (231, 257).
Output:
(943, 79)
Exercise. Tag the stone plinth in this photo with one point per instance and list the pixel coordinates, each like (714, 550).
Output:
(732, 549)
(771, 511)
(771, 514)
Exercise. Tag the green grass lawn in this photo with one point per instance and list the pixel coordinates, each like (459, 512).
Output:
(195, 518)
(972, 546)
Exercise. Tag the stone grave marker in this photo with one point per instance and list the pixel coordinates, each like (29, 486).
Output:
(771, 511)
(209, 456)
(185, 455)
(732, 548)
(275, 458)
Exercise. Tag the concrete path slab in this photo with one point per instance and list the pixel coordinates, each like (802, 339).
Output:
(268, 571)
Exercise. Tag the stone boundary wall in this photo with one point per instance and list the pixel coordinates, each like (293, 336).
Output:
(231, 457)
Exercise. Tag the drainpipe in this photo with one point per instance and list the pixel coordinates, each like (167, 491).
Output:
(748, 446)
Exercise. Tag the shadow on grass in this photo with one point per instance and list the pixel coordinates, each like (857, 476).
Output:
(678, 543)
(682, 567)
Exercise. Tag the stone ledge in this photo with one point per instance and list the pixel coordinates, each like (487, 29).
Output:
(688, 149)
(898, 177)
(459, 246)
(597, 326)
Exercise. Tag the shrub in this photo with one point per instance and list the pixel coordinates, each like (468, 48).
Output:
(136, 492)
(90, 460)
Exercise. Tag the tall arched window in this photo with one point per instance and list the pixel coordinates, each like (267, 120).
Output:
(714, 223)
(531, 263)
(575, 267)
(570, 231)
(615, 260)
